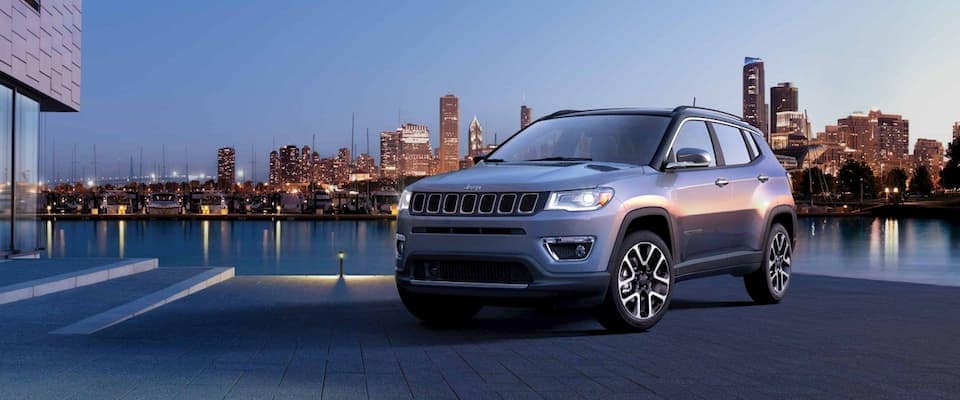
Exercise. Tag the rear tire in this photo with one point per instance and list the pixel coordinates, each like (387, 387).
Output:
(769, 283)
(439, 309)
(641, 284)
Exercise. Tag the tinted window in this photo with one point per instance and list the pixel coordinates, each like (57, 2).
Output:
(694, 135)
(732, 145)
(630, 139)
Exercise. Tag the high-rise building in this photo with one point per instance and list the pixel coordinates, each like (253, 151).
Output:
(390, 154)
(226, 167)
(364, 169)
(290, 165)
(40, 72)
(274, 176)
(784, 97)
(342, 166)
(326, 173)
(754, 105)
(856, 131)
(956, 130)
(929, 153)
(415, 152)
(526, 116)
(893, 139)
(449, 149)
(791, 130)
(476, 138)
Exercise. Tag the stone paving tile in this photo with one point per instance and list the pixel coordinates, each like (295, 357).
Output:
(287, 338)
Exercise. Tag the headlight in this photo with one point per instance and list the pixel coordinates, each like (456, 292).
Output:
(579, 200)
(404, 201)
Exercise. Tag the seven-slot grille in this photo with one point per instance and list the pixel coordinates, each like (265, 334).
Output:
(476, 204)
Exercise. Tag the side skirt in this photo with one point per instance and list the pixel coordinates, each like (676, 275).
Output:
(738, 263)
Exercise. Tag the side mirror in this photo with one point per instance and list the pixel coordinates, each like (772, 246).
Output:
(690, 158)
(476, 159)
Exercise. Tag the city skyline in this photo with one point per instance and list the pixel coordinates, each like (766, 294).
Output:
(314, 95)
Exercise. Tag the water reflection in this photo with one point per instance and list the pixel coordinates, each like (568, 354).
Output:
(906, 249)
(917, 250)
(286, 247)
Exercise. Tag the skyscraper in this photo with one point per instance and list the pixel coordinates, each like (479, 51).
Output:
(449, 150)
(342, 166)
(289, 162)
(415, 152)
(525, 116)
(226, 167)
(956, 130)
(274, 176)
(893, 138)
(754, 105)
(783, 98)
(475, 133)
(929, 153)
(856, 131)
(390, 154)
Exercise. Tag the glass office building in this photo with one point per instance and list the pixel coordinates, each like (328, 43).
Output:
(40, 46)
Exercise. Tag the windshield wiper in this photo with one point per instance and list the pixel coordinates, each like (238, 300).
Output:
(493, 160)
(562, 159)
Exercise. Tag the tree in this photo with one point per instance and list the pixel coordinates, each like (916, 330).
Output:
(855, 175)
(896, 178)
(950, 175)
(812, 181)
(921, 182)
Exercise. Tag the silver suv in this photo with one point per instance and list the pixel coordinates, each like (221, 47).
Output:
(603, 208)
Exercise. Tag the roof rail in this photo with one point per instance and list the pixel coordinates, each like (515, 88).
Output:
(559, 113)
(681, 108)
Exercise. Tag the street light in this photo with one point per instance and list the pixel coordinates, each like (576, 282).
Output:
(341, 255)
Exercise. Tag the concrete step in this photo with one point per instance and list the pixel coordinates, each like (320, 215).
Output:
(26, 279)
(89, 308)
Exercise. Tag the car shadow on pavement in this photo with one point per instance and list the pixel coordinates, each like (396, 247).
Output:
(683, 304)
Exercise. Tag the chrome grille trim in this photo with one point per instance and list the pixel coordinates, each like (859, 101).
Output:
(473, 202)
(536, 199)
(476, 204)
(422, 200)
(446, 200)
(493, 204)
(430, 200)
(503, 199)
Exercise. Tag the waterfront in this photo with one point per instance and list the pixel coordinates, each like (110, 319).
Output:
(914, 250)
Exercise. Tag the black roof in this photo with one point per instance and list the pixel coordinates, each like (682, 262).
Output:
(669, 112)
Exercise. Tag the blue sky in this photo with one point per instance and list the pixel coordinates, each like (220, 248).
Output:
(197, 75)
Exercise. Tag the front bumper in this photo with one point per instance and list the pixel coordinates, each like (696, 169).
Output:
(585, 280)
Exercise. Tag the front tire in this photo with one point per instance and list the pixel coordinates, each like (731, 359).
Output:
(641, 284)
(769, 283)
(439, 309)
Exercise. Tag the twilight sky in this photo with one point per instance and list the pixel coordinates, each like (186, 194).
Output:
(198, 75)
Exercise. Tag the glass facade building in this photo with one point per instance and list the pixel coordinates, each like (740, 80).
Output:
(40, 46)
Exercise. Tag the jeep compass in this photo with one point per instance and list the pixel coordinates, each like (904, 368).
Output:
(601, 208)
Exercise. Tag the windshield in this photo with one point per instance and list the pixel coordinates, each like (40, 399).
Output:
(629, 139)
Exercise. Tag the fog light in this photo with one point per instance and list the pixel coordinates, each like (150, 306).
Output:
(568, 248)
(401, 242)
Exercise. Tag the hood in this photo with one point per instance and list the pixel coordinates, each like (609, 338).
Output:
(533, 177)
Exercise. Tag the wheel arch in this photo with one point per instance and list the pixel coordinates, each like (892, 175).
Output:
(653, 219)
(784, 215)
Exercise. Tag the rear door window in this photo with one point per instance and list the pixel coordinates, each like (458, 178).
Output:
(732, 144)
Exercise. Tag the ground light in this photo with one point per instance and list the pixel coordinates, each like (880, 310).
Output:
(341, 255)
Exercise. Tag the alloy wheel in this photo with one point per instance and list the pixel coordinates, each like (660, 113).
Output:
(644, 280)
(778, 263)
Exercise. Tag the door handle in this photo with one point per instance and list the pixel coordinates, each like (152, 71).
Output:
(722, 182)
(763, 178)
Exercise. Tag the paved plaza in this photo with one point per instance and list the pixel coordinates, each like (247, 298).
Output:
(307, 338)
